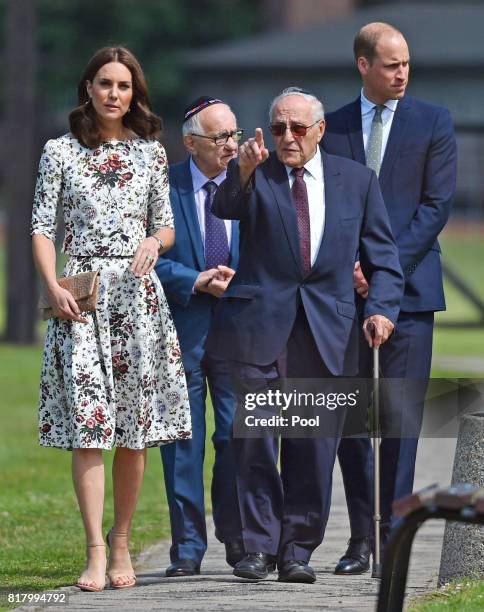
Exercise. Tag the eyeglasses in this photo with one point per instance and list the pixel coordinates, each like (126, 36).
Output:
(297, 129)
(222, 139)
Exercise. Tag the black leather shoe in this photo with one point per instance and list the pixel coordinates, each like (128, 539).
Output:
(296, 571)
(356, 559)
(234, 552)
(182, 567)
(255, 566)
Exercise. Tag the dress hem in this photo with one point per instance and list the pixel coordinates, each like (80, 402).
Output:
(157, 443)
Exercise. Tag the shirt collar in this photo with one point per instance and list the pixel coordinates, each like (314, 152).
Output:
(199, 179)
(367, 106)
(314, 166)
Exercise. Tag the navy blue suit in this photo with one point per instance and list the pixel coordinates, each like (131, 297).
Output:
(417, 180)
(272, 310)
(178, 270)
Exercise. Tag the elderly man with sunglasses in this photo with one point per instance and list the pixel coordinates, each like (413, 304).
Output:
(290, 312)
(195, 274)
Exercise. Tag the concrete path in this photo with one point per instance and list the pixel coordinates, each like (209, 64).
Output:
(458, 363)
(217, 589)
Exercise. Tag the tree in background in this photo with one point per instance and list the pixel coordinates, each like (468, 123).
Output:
(155, 30)
(19, 148)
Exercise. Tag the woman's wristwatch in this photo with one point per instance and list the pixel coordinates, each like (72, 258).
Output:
(160, 242)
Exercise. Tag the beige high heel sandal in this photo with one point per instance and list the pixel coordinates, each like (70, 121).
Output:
(118, 580)
(91, 586)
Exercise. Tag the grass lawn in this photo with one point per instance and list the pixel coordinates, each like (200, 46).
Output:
(464, 255)
(466, 596)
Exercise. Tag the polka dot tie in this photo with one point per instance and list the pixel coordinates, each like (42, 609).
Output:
(300, 198)
(373, 150)
(216, 244)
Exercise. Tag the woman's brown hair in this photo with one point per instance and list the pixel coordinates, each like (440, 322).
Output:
(139, 119)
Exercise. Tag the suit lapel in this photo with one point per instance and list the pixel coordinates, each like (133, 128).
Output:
(394, 140)
(188, 206)
(332, 196)
(355, 132)
(277, 178)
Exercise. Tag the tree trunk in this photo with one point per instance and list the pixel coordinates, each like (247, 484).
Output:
(20, 154)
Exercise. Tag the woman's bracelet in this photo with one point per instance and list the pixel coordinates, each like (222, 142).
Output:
(160, 242)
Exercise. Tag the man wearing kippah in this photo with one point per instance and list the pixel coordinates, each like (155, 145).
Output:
(195, 274)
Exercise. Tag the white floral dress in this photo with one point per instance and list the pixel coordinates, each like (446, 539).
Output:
(117, 380)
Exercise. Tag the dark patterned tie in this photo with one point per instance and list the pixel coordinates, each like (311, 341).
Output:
(216, 243)
(300, 199)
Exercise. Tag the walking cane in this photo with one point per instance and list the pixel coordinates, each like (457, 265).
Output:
(377, 566)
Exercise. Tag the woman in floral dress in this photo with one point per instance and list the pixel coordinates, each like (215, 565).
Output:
(114, 377)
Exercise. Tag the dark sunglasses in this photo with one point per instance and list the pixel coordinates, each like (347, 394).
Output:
(297, 129)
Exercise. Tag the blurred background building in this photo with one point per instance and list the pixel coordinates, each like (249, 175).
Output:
(312, 48)
(244, 51)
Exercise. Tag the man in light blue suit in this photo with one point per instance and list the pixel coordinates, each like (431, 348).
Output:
(411, 146)
(195, 274)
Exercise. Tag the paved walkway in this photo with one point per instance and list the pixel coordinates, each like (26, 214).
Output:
(459, 363)
(217, 589)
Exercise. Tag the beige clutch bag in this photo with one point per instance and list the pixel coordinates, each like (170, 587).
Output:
(84, 288)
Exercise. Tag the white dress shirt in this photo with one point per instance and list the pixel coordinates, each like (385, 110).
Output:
(199, 180)
(367, 114)
(314, 179)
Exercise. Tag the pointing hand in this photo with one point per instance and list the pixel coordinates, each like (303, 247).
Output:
(252, 153)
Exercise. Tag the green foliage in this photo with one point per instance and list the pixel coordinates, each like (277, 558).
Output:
(155, 30)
